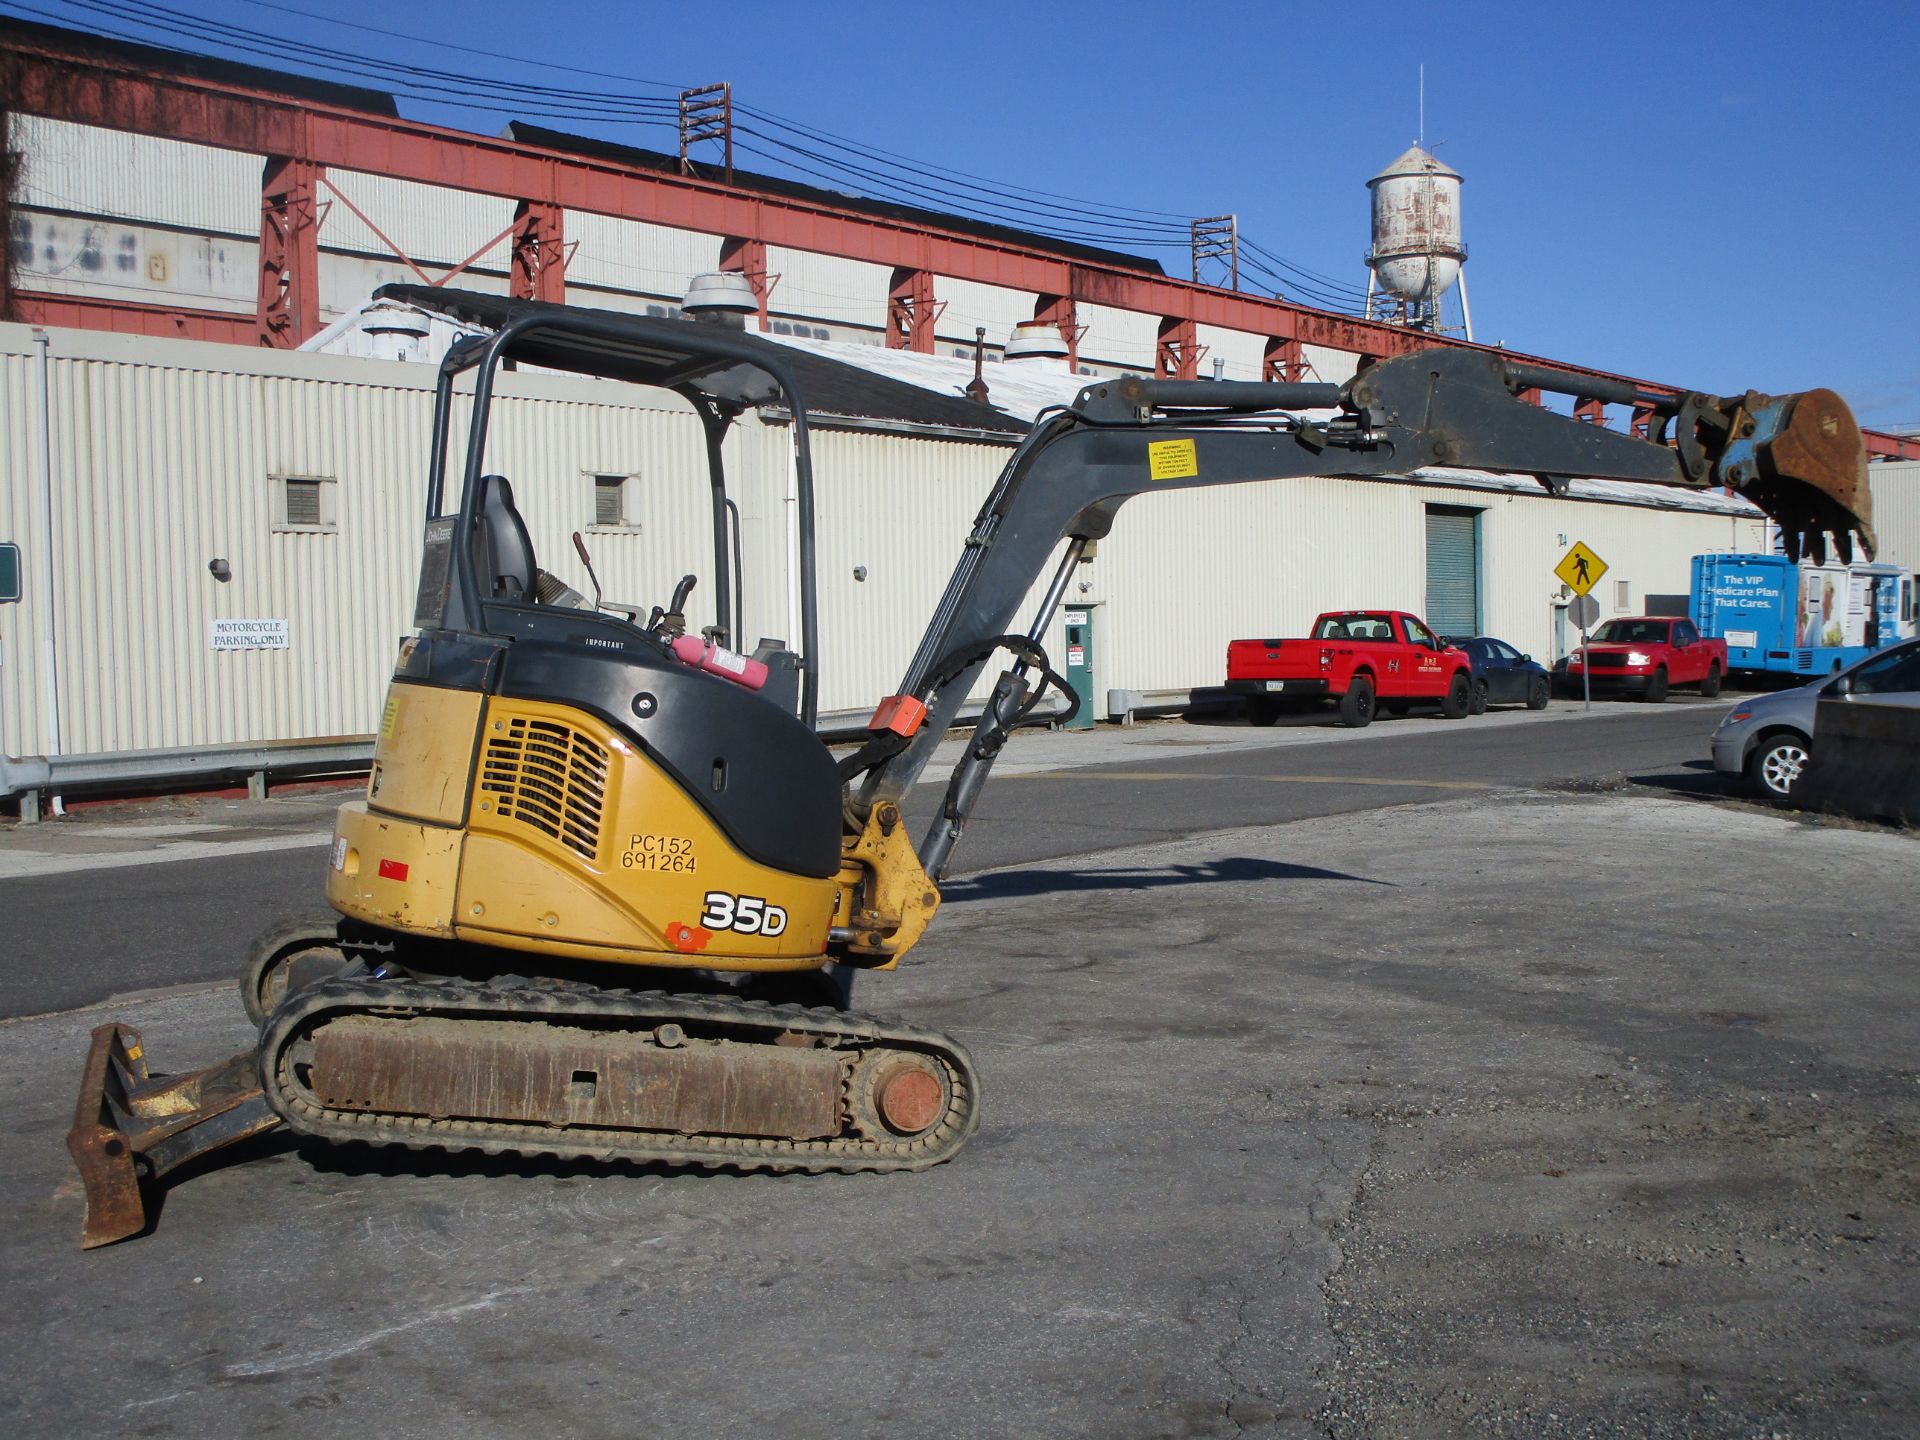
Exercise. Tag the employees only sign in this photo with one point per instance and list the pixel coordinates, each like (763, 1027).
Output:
(248, 635)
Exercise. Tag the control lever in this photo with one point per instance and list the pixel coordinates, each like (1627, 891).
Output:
(580, 549)
(673, 620)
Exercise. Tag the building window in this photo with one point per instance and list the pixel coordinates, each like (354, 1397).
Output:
(304, 504)
(1623, 595)
(612, 509)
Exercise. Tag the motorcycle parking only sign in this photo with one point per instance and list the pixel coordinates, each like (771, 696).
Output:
(248, 635)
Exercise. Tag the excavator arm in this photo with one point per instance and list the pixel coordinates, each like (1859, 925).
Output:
(1800, 458)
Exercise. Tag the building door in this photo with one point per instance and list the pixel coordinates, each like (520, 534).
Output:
(1079, 669)
(1453, 570)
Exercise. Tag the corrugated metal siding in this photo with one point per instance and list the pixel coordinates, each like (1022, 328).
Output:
(346, 281)
(164, 452)
(119, 260)
(1184, 573)
(828, 287)
(1119, 337)
(430, 223)
(1242, 352)
(160, 469)
(22, 692)
(1896, 511)
(902, 509)
(90, 171)
(1333, 367)
(969, 304)
(628, 255)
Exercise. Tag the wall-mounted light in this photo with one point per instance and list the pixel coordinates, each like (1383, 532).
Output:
(220, 570)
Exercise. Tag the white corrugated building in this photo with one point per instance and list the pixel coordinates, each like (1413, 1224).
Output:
(166, 456)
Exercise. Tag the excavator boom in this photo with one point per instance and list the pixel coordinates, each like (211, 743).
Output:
(1800, 458)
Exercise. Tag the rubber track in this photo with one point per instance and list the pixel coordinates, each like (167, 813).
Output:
(642, 1010)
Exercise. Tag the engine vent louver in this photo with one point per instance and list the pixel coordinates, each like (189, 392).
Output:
(548, 776)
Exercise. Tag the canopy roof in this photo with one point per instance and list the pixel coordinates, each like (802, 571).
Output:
(731, 365)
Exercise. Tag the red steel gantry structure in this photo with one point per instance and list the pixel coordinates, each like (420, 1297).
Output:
(302, 137)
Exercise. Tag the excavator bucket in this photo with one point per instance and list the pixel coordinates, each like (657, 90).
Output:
(1801, 458)
(132, 1125)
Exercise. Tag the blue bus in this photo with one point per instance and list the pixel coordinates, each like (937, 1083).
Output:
(1783, 618)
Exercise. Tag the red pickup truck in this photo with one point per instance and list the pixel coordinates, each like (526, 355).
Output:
(1354, 657)
(1646, 655)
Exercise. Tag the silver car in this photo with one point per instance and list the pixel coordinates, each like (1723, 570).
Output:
(1769, 737)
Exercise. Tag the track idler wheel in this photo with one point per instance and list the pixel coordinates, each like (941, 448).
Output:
(898, 1094)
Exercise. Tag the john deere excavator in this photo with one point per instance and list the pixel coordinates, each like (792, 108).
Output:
(602, 900)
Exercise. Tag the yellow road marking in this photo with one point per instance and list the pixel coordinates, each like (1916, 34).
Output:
(1264, 779)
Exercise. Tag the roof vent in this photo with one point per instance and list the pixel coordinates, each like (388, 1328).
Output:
(1036, 340)
(395, 331)
(721, 296)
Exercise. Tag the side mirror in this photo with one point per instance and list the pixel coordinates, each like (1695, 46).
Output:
(1840, 687)
(1526, 659)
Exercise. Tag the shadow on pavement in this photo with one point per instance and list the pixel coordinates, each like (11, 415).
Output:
(1014, 884)
(1693, 780)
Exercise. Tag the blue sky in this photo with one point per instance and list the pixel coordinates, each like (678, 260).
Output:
(1714, 196)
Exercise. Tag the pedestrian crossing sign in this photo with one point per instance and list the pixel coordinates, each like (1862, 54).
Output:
(1581, 569)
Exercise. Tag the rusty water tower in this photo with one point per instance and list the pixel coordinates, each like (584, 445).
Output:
(1417, 256)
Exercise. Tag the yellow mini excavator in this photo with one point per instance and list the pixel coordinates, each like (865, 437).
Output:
(602, 900)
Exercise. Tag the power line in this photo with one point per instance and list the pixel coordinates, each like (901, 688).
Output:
(408, 81)
(463, 49)
(825, 157)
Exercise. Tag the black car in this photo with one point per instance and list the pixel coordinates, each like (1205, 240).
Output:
(1503, 676)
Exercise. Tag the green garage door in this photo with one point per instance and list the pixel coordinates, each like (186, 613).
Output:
(1453, 570)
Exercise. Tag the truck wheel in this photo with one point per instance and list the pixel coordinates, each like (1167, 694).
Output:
(1481, 698)
(1459, 697)
(1657, 687)
(1539, 693)
(1776, 767)
(1356, 706)
(1263, 712)
(1710, 686)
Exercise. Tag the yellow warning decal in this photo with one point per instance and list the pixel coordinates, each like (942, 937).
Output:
(1172, 459)
(390, 717)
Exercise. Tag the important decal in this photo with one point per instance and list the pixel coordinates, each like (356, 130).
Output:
(1172, 459)
(390, 717)
(670, 853)
(744, 914)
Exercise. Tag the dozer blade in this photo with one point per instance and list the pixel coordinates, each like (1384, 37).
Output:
(131, 1125)
(1801, 458)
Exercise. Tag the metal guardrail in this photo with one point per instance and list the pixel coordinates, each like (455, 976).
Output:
(34, 775)
(30, 777)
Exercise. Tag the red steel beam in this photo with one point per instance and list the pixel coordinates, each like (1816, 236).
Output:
(748, 258)
(1177, 357)
(539, 253)
(1059, 311)
(289, 303)
(116, 95)
(125, 317)
(911, 311)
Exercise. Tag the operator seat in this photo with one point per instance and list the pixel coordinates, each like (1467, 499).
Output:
(502, 548)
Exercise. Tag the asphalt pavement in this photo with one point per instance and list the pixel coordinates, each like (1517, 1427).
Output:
(120, 899)
(1581, 1105)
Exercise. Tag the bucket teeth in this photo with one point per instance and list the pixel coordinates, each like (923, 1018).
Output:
(1813, 481)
